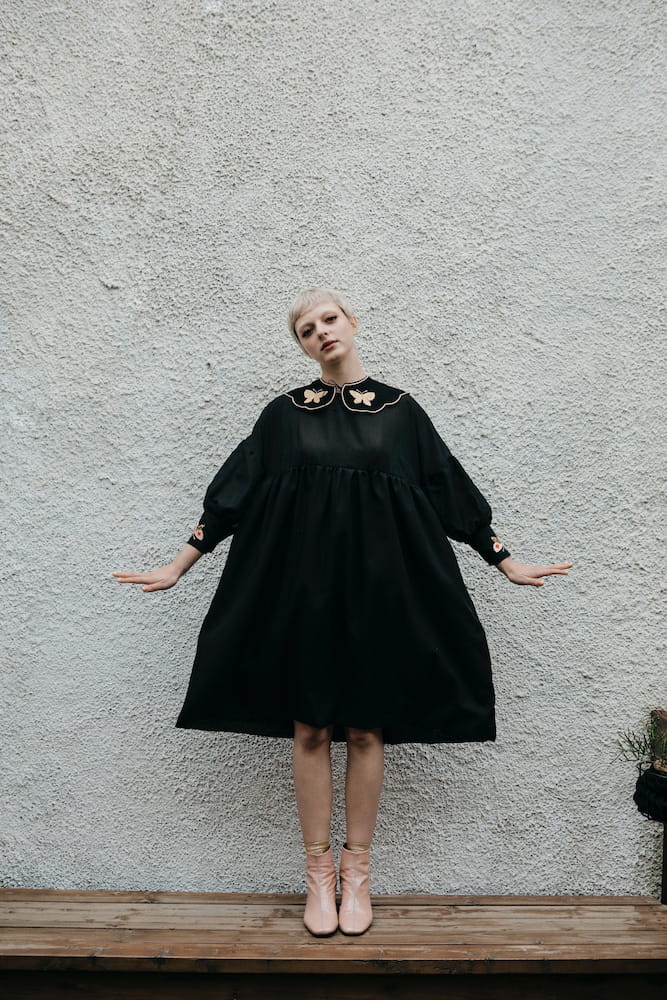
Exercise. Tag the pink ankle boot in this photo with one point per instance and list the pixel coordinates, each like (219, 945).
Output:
(320, 915)
(355, 915)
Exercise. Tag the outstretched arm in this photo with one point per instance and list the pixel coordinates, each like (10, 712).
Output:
(464, 512)
(517, 572)
(165, 577)
(224, 503)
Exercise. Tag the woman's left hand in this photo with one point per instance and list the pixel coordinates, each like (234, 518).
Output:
(517, 572)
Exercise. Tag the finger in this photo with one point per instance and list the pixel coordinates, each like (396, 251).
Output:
(551, 568)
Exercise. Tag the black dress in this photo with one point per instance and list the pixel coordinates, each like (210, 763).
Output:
(341, 601)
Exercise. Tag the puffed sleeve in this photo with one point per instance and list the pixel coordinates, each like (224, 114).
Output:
(464, 513)
(228, 493)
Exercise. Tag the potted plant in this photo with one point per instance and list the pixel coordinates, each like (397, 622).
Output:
(648, 748)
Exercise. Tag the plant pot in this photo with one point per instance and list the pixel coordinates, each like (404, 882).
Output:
(650, 794)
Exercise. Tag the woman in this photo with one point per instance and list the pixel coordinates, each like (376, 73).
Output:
(341, 613)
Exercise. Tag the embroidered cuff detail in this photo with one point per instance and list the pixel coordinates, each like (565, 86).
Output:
(489, 546)
(204, 535)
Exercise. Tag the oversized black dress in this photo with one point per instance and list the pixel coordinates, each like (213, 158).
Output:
(341, 601)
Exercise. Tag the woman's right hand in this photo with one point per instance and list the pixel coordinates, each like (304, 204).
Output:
(156, 579)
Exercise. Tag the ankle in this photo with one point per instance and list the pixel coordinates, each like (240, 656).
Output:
(317, 847)
(356, 848)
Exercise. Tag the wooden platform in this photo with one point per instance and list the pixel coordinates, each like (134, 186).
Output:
(233, 945)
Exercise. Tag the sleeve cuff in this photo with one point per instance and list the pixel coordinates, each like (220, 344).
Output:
(489, 546)
(206, 533)
(196, 543)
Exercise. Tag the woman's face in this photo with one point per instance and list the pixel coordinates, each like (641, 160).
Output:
(326, 333)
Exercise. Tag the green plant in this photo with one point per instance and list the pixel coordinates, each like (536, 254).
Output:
(648, 745)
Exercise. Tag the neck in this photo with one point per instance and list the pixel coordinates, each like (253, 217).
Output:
(345, 371)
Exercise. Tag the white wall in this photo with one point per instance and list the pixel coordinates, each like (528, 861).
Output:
(483, 179)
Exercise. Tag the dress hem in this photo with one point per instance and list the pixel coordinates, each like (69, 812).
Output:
(392, 734)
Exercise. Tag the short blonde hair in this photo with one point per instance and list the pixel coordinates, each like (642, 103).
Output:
(311, 297)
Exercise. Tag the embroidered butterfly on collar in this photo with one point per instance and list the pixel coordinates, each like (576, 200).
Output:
(365, 395)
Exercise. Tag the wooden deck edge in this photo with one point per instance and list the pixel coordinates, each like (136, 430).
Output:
(410, 966)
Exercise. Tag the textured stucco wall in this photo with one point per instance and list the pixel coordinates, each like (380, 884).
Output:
(483, 179)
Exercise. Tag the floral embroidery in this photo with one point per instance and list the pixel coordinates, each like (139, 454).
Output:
(497, 544)
(199, 531)
(313, 395)
(362, 397)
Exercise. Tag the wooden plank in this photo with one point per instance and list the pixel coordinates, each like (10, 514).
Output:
(226, 933)
(137, 986)
(150, 914)
(204, 942)
(411, 899)
(402, 923)
(163, 947)
(298, 900)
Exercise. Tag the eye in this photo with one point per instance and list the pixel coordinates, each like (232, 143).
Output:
(331, 317)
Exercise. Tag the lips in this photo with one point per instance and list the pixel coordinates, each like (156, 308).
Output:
(328, 343)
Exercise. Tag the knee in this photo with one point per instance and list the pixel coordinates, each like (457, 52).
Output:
(363, 739)
(310, 738)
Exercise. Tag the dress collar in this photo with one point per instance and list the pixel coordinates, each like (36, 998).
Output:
(364, 395)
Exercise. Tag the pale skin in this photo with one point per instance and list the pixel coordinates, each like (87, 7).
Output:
(311, 753)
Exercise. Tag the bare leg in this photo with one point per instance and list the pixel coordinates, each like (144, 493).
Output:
(311, 760)
(313, 783)
(363, 787)
(363, 784)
